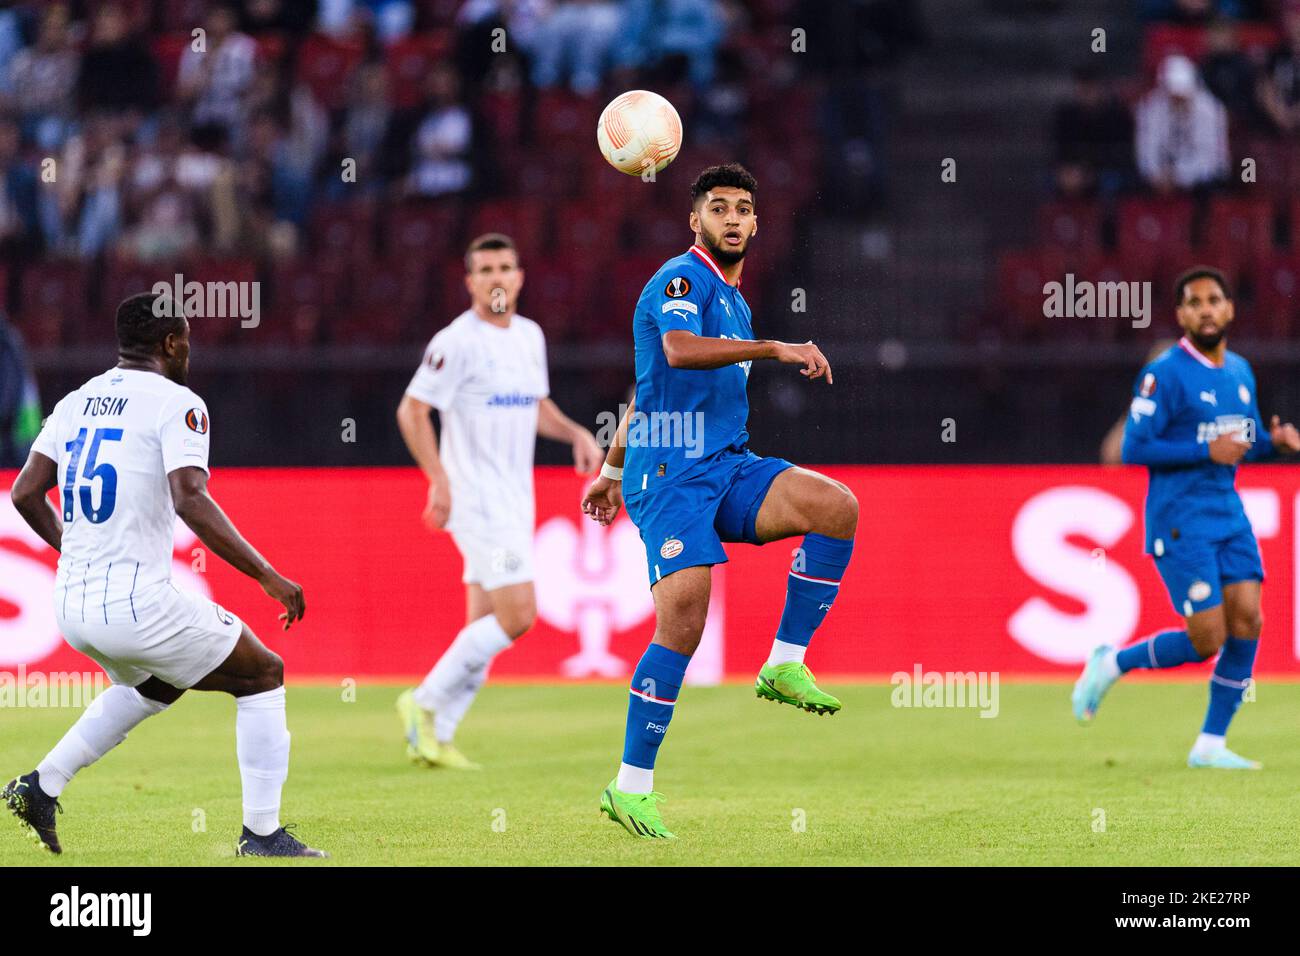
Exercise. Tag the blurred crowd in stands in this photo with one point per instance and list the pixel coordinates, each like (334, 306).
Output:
(341, 152)
(1196, 158)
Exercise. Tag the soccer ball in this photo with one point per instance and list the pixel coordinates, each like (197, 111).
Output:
(639, 131)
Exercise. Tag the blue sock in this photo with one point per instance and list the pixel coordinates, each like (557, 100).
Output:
(812, 585)
(1228, 682)
(655, 684)
(1168, 649)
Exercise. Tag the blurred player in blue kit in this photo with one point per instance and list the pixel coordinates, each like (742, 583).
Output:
(1194, 417)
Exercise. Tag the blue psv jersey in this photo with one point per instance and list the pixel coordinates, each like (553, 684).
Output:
(685, 415)
(1181, 402)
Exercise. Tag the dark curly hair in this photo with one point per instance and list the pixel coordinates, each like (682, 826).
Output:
(1200, 272)
(732, 174)
(143, 321)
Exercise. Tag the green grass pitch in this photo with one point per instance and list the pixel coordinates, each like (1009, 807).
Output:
(748, 782)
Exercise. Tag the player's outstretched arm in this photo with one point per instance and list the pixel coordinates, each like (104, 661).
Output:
(687, 350)
(554, 424)
(417, 431)
(28, 494)
(206, 519)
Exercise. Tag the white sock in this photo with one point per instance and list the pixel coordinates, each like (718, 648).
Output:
(471, 651)
(101, 727)
(1110, 664)
(782, 653)
(262, 745)
(448, 717)
(635, 779)
(1208, 743)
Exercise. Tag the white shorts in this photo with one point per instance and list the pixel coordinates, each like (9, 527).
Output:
(496, 557)
(182, 640)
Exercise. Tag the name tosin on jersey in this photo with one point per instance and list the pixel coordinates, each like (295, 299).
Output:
(97, 405)
(513, 400)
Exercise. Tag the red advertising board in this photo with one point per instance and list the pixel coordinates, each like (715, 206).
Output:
(1021, 570)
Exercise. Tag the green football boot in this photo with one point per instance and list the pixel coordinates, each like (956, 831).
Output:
(793, 683)
(638, 813)
(417, 726)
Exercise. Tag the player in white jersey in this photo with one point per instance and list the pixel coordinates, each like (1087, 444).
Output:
(485, 373)
(129, 452)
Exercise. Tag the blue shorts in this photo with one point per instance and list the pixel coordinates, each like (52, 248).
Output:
(1194, 572)
(684, 522)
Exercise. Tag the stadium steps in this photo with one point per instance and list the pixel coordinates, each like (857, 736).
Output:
(981, 91)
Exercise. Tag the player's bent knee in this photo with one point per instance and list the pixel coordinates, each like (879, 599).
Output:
(517, 621)
(1208, 641)
(272, 673)
(839, 511)
(1247, 626)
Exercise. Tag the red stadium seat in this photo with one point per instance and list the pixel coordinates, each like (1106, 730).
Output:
(553, 175)
(390, 305)
(1021, 276)
(1167, 39)
(325, 64)
(216, 274)
(566, 121)
(786, 173)
(167, 51)
(585, 230)
(270, 48)
(53, 301)
(617, 294)
(303, 297)
(1238, 231)
(559, 295)
(449, 297)
(344, 231)
(1151, 233)
(1072, 226)
(501, 113)
(181, 15)
(439, 13)
(409, 61)
(424, 233)
(1277, 297)
(523, 220)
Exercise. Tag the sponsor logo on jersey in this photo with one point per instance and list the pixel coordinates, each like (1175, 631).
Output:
(197, 421)
(677, 287)
(512, 400)
(224, 616)
(1148, 385)
(436, 361)
(671, 548)
(1240, 426)
(1210, 397)
(680, 305)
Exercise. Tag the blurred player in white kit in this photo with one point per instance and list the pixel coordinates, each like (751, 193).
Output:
(129, 452)
(486, 375)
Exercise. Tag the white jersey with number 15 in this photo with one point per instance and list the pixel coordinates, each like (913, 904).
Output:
(115, 440)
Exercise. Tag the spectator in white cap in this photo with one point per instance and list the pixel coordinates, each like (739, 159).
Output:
(1182, 131)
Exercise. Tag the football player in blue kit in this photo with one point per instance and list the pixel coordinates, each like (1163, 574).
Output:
(1193, 418)
(681, 464)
